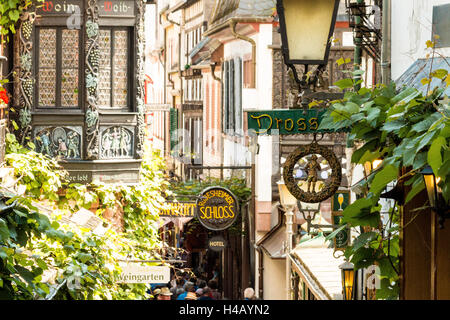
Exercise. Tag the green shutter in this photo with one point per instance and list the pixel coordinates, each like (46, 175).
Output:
(173, 128)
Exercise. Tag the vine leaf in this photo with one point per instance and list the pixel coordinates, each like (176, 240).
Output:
(363, 239)
(382, 178)
(4, 231)
(434, 154)
(335, 232)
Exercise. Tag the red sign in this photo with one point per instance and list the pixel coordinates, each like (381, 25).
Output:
(59, 7)
(116, 8)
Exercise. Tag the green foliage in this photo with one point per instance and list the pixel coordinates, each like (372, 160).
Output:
(10, 11)
(32, 243)
(407, 130)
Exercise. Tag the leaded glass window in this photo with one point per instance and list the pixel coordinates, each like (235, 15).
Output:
(58, 67)
(114, 84)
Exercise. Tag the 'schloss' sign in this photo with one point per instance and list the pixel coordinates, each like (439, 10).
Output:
(286, 121)
(217, 208)
(133, 273)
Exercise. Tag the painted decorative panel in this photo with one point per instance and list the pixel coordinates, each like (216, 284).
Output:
(116, 142)
(47, 67)
(70, 63)
(62, 142)
(104, 86)
(120, 78)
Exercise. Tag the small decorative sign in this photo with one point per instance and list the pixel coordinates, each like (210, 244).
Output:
(59, 7)
(342, 239)
(217, 243)
(116, 8)
(178, 209)
(340, 201)
(217, 208)
(79, 176)
(144, 274)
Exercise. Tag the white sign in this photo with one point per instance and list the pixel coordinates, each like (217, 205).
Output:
(144, 274)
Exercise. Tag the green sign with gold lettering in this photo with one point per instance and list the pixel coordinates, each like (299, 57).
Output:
(286, 121)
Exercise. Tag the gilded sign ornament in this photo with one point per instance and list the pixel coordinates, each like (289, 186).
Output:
(318, 184)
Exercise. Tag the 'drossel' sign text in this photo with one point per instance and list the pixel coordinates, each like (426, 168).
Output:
(217, 208)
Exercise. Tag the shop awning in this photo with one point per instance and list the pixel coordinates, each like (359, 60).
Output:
(274, 245)
(203, 50)
(318, 268)
(178, 221)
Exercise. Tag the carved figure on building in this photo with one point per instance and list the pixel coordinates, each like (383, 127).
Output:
(73, 143)
(116, 142)
(61, 142)
(44, 138)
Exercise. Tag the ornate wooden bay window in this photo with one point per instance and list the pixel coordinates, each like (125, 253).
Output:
(79, 89)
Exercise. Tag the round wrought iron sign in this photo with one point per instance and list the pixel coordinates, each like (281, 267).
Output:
(312, 169)
(217, 208)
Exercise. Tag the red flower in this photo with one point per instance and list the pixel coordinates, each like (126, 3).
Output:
(4, 96)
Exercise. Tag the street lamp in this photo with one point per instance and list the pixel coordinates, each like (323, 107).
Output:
(309, 212)
(437, 202)
(288, 201)
(306, 27)
(348, 280)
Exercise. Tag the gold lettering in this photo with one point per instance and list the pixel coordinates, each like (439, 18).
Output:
(259, 122)
(286, 126)
(231, 211)
(313, 124)
(301, 124)
(278, 122)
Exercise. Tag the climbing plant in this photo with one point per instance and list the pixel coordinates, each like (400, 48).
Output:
(10, 11)
(407, 130)
(32, 243)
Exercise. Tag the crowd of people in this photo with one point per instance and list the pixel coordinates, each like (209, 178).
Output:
(187, 286)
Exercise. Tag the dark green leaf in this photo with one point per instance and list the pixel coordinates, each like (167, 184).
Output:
(382, 178)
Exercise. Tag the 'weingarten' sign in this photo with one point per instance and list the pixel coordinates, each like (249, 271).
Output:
(144, 274)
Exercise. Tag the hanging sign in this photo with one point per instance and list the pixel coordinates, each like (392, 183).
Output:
(217, 208)
(178, 209)
(340, 201)
(217, 243)
(133, 273)
(287, 121)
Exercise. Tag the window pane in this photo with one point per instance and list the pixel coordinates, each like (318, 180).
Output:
(70, 61)
(120, 76)
(104, 84)
(47, 67)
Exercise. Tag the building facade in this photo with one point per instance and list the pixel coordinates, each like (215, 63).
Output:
(79, 91)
